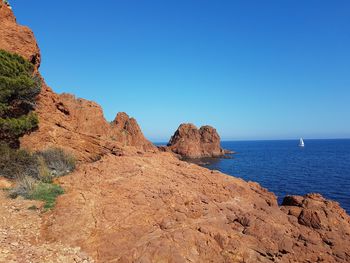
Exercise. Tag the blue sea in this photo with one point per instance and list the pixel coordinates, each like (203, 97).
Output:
(322, 166)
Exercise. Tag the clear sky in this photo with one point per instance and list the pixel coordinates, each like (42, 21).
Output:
(252, 69)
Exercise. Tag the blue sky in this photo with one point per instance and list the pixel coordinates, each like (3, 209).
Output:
(252, 69)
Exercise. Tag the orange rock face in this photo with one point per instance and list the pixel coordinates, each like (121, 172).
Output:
(155, 208)
(17, 39)
(188, 141)
(78, 126)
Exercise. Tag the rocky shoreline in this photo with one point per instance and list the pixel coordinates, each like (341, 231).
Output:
(129, 202)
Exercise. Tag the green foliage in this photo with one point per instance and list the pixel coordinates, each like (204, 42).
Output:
(47, 193)
(14, 65)
(19, 88)
(42, 165)
(18, 164)
(16, 127)
(34, 173)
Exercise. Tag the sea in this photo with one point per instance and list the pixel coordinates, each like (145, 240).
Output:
(322, 166)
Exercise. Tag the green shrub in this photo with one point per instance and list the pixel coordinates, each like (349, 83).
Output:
(14, 65)
(19, 87)
(18, 164)
(47, 193)
(43, 166)
(35, 190)
(57, 161)
(13, 128)
(34, 173)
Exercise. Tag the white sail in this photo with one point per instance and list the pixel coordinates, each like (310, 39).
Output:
(301, 142)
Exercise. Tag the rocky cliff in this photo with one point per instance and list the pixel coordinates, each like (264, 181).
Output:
(77, 125)
(17, 39)
(135, 204)
(191, 142)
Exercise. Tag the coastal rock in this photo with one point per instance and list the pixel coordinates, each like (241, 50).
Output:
(128, 132)
(292, 200)
(136, 204)
(76, 125)
(79, 127)
(16, 38)
(154, 207)
(191, 142)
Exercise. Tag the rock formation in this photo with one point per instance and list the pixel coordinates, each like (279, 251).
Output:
(190, 142)
(77, 125)
(135, 204)
(17, 39)
(156, 208)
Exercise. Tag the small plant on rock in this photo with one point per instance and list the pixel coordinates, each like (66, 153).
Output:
(47, 193)
(18, 164)
(34, 173)
(24, 187)
(57, 161)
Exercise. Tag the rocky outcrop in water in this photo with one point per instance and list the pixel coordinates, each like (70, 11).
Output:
(191, 142)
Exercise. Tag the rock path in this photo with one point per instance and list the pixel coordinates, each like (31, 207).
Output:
(20, 237)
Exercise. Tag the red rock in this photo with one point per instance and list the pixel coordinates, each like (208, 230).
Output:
(135, 204)
(78, 126)
(222, 217)
(309, 218)
(292, 200)
(17, 39)
(128, 132)
(190, 142)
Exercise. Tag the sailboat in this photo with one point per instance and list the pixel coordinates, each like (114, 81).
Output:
(301, 143)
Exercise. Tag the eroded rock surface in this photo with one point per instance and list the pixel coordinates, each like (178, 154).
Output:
(191, 142)
(155, 208)
(78, 126)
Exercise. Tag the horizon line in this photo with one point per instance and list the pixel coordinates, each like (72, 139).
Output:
(251, 140)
